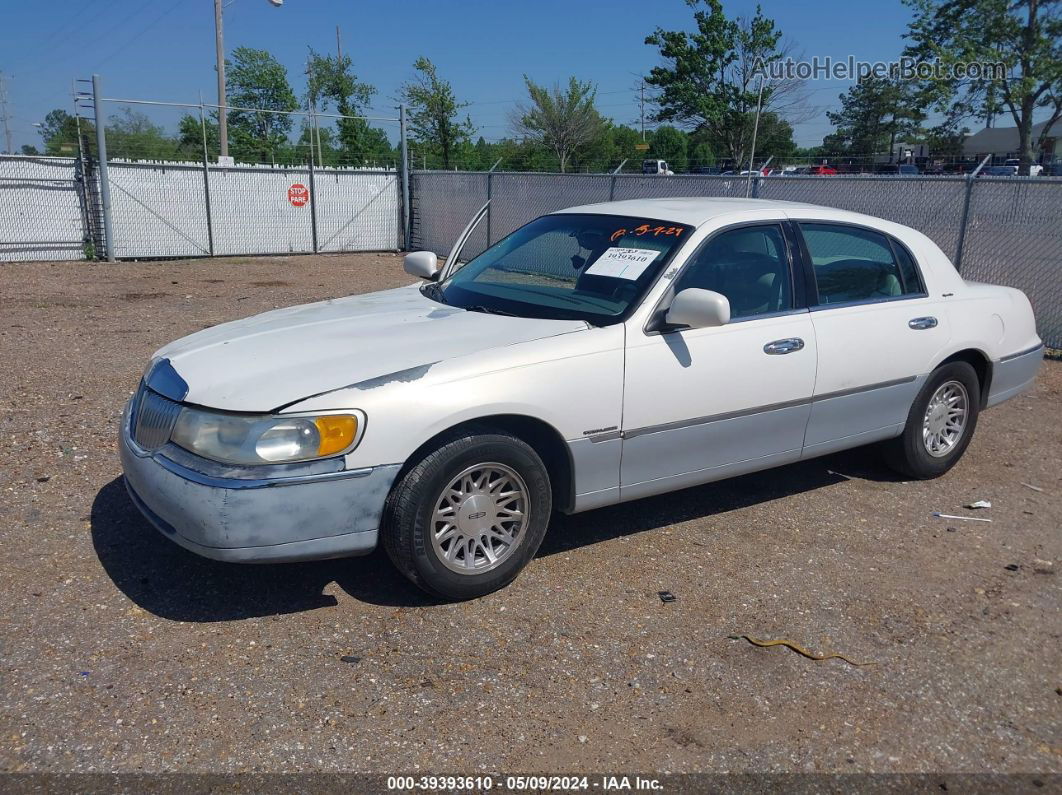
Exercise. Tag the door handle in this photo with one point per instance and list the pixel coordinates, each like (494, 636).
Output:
(920, 323)
(789, 345)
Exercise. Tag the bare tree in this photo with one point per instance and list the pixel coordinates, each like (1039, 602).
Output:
(560, 120)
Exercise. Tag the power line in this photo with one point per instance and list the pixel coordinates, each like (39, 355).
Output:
(169, 10)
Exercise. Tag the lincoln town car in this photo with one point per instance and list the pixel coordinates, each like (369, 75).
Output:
(595, 355)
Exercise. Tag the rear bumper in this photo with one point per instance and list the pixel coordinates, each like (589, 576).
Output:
(261, 520)
(1013, 374)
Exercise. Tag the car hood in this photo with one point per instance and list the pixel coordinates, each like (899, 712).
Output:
(269, 361)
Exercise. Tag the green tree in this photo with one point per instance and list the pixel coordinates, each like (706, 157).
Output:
(710, 79)
(133, 136)
(700, 151)
(875, 113)
(28, 149)
(1025, 36)
(255, 79)
(190, 136)
(616, 143)
(59, 133)
(672, 145)
(561, 121)
(331, 82)
(774, 139)
(434, 109)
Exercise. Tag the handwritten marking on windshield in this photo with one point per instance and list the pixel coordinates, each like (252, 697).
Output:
(646, 229)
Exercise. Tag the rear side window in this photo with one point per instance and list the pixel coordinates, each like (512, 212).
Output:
(853, 264)
(912, 280)
(748, 265)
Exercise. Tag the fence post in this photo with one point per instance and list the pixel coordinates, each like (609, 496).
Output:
(612, 181)
(105, 185)
(406, 220)
(206, 179)
(490, 191)
(970, 179)
(313, 199)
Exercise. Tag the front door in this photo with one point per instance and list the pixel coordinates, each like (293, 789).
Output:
(703, 404)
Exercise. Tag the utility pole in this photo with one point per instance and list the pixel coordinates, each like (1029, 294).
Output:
(641, 107)
(339, 46)
(5, 115)
(311, 106)
(219, 46)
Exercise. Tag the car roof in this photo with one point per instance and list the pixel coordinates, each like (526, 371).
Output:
(694, 210)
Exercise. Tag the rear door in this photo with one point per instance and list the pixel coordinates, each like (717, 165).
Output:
(878, 333)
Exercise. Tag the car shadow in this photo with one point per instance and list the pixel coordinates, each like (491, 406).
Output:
(172, 583)
(175, 584)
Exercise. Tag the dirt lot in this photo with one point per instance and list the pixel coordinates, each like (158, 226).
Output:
(121, 652)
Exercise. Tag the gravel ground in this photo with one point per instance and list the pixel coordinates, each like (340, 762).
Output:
(122, 652)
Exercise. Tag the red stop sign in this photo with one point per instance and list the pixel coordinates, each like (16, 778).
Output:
(298, 194)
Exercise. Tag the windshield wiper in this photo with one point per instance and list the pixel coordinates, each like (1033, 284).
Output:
(490, 310)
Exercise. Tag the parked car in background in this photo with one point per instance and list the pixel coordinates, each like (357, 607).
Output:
(657, 167)
(1035, 169)
(898, 169)
(710, 170)
(596, 355)
(822, 171)
(997, 171)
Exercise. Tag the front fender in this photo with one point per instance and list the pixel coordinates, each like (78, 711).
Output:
(572, 382)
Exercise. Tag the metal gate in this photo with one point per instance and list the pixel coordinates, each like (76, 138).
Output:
(42, 209)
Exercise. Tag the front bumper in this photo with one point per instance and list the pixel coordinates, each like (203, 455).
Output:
(231, 516)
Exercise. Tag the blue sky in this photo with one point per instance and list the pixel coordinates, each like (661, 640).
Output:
(164, 49)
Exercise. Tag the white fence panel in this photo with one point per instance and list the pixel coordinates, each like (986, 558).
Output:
(356, 210)
(158, 210)
(253, 214)
(40, 213)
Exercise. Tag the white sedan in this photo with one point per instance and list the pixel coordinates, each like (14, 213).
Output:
(596, 355)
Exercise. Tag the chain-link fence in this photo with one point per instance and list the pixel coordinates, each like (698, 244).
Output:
(155, 179)
(42, 209)
(179, 210)
(1003, 230)
(49, 210)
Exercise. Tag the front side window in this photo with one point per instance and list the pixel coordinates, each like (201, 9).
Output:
(748, 265)
(852, 264)
(567, 266)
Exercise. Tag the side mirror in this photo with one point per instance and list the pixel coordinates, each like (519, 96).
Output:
(698, 308)
(422, 264)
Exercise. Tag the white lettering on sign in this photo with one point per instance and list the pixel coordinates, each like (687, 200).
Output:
(623, 263)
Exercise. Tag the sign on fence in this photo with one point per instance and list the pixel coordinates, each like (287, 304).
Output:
(298, 195)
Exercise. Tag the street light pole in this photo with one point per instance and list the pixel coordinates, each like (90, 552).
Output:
(223, 116)
(219, 46)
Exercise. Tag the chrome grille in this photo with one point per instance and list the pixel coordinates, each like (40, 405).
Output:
(152, 419)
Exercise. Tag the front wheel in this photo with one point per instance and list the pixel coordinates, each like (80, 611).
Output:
(940, 424)
(464, 520)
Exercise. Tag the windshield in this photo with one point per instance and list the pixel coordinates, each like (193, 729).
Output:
(568, 267)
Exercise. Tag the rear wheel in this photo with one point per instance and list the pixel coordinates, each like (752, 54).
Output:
(464, 520)
(940, 424)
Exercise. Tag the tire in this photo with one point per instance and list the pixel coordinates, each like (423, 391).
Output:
(487, 463)
(910, 453)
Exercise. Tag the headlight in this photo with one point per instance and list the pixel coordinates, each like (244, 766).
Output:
(256, 439)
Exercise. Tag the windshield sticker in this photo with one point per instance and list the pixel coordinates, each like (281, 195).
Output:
(646, 229)
(623, 263)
